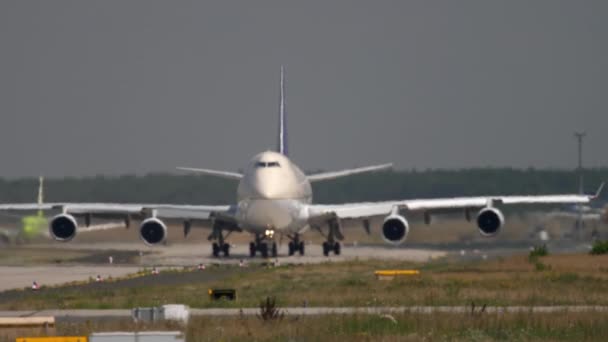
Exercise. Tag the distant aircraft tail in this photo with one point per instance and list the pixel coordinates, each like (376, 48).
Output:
(40, 194)
(282, 139)
(40, 190)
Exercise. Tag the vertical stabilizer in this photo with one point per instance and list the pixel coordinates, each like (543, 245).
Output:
(40, 190)
(282, 139)
(40, 194)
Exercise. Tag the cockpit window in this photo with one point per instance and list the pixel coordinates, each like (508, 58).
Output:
(267, 164)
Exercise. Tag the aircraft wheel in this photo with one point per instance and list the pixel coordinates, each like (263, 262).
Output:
(291, 248)
(337, 248)
(264, 250)
(4, 240)
(274, 250)
(301, 247)
(215, 249)
(252, 249)
(226, 249)
(326, 248)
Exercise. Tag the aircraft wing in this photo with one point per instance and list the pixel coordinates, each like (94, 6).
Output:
(337, 174)
(370, 209)
(174, 211)
(222, 174)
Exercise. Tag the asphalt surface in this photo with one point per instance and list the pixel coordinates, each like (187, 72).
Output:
(18, 277)
(193, 254)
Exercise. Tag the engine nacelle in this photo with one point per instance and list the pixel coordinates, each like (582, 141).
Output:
(489, 221)
(395, 229)
(153, 231)
(63, 227)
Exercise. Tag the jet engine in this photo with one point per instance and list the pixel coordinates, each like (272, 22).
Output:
(395, 229)
(153, 231)
(63, 227)
(489, 221)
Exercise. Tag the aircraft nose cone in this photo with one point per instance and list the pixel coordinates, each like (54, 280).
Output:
(265, 188)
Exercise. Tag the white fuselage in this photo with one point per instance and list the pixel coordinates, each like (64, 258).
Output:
(273, 195)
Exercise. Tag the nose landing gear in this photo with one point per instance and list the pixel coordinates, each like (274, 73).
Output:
(263, 245)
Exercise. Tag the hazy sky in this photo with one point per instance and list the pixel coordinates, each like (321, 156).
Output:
(113, 87)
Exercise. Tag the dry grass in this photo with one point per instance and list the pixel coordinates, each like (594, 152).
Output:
(406, 327)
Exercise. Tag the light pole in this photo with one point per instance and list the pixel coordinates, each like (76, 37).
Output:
(579, 137)
(579, 220)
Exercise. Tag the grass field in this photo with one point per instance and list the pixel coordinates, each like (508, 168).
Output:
(406, 327)
(551, 280)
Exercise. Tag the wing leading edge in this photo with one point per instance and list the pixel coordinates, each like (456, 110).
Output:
(370, 209)
(201, 212)
(216, 173)
(348, 172)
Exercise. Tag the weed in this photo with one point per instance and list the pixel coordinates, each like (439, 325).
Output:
(538, 251)
(269, 310)
(599, 247)
(539, 266)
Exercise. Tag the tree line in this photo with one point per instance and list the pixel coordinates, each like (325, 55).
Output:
(193, 189)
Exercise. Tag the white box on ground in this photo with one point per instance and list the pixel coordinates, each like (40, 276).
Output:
(177, 312)
(142, 336)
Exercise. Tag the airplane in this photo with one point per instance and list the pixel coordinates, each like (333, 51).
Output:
(32, 226)
(35, 226)
(581, 212)
(274, 198)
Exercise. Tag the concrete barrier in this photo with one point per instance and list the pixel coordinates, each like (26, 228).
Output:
(53, 339)
(143, 336)
(27, 322)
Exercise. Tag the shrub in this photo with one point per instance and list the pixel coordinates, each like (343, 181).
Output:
(599, 247)
(538, 251)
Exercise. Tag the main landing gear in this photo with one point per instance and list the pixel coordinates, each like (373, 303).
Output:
(333, 235)
(219, 245)
(331, 247)
(264, 245)
(295, 245)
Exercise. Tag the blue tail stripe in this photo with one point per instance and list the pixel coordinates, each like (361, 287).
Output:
(282, 139)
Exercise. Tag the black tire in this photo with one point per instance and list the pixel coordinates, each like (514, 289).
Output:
(4, 240)
(226, 249)
(326, 248)
(291, 248)
(264, 250)
(337, 248)
(252, 249)
(274, 250)
(301, 247)
(215, 250)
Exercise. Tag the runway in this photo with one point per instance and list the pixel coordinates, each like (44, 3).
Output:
(92, 258)
(16, 277)
(192, 254)
(75, 315)
(95, 261)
